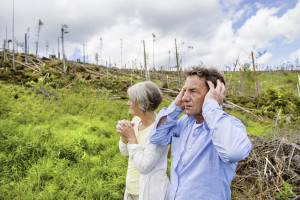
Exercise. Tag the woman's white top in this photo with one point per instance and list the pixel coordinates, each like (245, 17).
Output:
(151, 162)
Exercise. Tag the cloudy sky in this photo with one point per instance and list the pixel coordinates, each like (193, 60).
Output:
(214, 32)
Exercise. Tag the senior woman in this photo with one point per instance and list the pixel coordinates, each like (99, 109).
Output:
(147, 164)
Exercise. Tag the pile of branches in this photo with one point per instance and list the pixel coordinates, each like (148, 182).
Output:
(271, 170)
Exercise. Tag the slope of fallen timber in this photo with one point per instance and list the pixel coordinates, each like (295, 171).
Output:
(271, 171)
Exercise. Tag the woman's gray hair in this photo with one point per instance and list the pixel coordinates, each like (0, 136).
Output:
(146, 94)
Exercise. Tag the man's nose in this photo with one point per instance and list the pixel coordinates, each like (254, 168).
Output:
(185, 97)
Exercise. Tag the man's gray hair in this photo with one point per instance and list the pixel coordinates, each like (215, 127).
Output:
(146, 94)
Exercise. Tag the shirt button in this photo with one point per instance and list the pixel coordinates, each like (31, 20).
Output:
(190, 146)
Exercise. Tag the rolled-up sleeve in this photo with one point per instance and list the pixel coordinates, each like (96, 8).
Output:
(228, 133)
(162, 135)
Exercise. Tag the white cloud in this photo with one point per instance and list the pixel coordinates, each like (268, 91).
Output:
(205, 25)
(265, 58)
(295, 55)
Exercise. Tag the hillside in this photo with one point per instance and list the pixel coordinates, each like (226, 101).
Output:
(58, 138)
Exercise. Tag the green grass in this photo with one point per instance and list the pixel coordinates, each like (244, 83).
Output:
(67, 147)
(253, 125)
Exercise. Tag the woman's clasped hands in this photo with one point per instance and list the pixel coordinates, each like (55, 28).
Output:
(125, 128)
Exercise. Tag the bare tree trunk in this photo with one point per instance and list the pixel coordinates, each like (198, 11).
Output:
(298, 85)
(25, 48)
(38, 36)
(13, 34)
(83, 51)
(106, 71)
(177, 63)
(241, 82)
(58, 53)
(167, 81)
(63, 48)
(236, 62)
(121, 45)
(271, 76)
(162, 76)
(145, 62)
(4, 51)
(254, 73)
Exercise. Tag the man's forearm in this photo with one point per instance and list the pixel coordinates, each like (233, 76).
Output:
(161, 121)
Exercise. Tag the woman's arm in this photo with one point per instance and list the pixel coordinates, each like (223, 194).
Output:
(145, 159)
(123, 148)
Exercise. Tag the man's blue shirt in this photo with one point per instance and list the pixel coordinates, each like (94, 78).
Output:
(204, 156)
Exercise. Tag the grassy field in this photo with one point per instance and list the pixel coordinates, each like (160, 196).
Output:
(60, 149)
(61, 143)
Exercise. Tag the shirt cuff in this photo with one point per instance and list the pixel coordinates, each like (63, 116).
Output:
(209, 104)
(122, 143)
(173, 111)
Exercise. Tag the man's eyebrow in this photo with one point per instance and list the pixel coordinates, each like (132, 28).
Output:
(194, 88)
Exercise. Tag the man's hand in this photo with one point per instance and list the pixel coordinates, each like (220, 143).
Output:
(178, 101)
(217, 93)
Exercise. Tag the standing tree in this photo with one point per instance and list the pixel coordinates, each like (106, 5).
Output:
(154, 38)
(26, 47)
(254, 74)
(8, 41)
(28, 37)
(63, 31)
(97, 58)
(229, 83)
(145, 62)
(47, 48)
(5, 41)
(58, 52)
(169, 53)
(4, 51)
(13, 33)
(178, 70)
(101, 48)
(121, 46)
(38, 36)
(83, 51)
(241, 82)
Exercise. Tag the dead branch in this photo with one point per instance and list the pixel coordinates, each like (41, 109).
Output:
(231, 105)
(73, 82)
(271, 163)
(26, 66)
(95, 73)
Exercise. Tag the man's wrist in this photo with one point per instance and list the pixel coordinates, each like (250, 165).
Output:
(173, 110)
(209, 104)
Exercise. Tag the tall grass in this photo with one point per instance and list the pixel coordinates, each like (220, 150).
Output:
(60, 149)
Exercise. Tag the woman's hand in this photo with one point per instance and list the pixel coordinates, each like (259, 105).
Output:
(125, 128)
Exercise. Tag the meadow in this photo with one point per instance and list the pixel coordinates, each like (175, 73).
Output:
(61, 142)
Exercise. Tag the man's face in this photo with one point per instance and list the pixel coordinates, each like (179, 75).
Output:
(193, 97)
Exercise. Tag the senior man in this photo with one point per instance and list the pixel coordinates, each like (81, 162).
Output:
(206, 143)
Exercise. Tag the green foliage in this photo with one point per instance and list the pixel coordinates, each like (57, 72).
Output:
(64, 149)
(285, 192)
